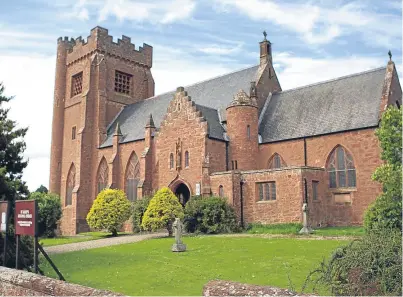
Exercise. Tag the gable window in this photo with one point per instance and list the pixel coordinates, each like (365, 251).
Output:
(267, 191)
(276, 162)
(248, 131)
(221, 191)
(171, 161)
(122, 82)
(132, 177)
(73, 132)
(186, 159)
(341, 169)
(103, 174)
(71, 180)
(315, 185)
(77, 84)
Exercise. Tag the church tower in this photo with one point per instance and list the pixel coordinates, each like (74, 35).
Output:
(95, 79)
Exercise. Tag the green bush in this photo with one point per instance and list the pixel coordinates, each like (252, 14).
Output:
(386, 211)
(164, 207)
(49, 213)
(138, 209)
(210, 215)
(109, 211)
(369, 266)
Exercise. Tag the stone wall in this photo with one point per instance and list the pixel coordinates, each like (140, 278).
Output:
(228, 288)
(21, 283)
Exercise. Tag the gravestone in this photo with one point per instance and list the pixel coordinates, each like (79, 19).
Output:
(178, 246)
(305, 229)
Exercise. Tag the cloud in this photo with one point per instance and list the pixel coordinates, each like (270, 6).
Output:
(294, 71)
(319, 24)
(216, 49)
(159, 11)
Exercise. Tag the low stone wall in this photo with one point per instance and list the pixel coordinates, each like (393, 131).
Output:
(21, 283)
(227, 288)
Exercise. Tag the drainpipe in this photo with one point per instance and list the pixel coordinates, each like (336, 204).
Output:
(305, 155)
(241, 184)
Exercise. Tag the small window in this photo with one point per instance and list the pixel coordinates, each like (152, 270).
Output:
(398, 104)
(248, 131)
(122, 82)
(73, 132)
(77, 84)
(267, 191)
(221, 191)
(315, 190)
(186, 159)
(171, 161)
(236, 164)
(276, 162)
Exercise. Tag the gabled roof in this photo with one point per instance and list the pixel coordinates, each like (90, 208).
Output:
(210, 96)
(346, 103)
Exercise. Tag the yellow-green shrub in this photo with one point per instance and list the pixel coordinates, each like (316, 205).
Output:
(164, 207)
(109, 211)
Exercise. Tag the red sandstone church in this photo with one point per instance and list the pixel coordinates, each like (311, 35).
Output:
(238, 136)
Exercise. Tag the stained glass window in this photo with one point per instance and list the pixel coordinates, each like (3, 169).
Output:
(276, 162)
(71, 181)
(132, 177)
(102, 175)
(341, 169)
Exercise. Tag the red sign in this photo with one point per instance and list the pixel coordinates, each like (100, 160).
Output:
(25, 217)
(3, 216)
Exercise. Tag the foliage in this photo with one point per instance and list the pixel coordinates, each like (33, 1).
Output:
(210, 215)
(369, 266)
(12, 147)
(50, 212)
(164, 207)
(160, 272)
(109, 211)
(287, 228)
(139, 207)
(386, 211)
(42, 189)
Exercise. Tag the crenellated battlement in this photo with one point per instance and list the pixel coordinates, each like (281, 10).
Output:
(99, 40)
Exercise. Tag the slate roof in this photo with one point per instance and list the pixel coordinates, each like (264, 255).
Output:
(210, 96)
(341, 104)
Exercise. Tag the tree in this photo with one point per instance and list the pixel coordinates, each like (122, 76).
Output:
(49, 212)
(386, 211)
(42, 189)
(12, 164)
(110, 210)
(139, 208)
(164, 207)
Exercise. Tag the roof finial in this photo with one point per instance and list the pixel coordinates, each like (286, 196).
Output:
(150, 122)
(117, 130)
(264, 34)
(390, 55)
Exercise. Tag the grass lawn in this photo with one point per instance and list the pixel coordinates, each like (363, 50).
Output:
(78, 238)
(293, 229)
(150, 268)
(340, 231)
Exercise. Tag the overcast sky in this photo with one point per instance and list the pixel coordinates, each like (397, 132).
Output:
(193, 40)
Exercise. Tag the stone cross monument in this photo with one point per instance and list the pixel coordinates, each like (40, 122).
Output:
(305, 229)
(178, 246)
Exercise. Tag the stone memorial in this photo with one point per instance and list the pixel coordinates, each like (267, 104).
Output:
(178, 246)
(305, 229)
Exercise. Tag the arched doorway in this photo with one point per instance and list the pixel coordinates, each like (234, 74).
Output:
(183, 193)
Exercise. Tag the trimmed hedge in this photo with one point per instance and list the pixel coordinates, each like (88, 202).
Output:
(109, 211)
(210, 215)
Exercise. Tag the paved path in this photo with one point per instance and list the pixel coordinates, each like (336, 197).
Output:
(97, 243)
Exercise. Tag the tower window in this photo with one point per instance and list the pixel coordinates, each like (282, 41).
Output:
(186, 159)
(77, 84)
(73, 132)
(248, 131)
(122, 82)
(171, 161)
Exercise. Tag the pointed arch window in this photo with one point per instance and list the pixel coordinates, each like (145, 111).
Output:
(132, 177)
(341, 169)
(171, 161)
(276, 162)
(186, 159)
(70, 184)
(103, 174)
(221, 191)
